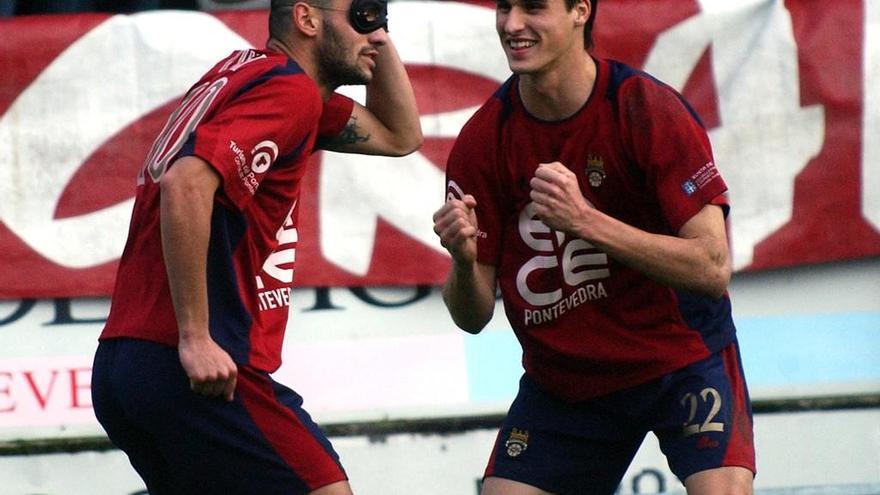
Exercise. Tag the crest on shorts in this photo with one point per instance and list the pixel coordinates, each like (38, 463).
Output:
(595, 170)
(517, 442)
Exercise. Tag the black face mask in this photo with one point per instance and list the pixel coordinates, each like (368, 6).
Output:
(367, 16)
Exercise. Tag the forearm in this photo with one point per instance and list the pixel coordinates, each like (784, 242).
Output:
(391, 99)
(186, 206)
(699, 263)
(469, 294)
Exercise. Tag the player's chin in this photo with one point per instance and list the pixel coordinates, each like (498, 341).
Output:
(366, 75)
(520, 67)
(357, 77)
(362, 69)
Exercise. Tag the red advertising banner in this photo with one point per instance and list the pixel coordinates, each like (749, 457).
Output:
(789, 91)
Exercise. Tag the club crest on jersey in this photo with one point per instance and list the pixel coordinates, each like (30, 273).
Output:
(517, 442)
(595, 170)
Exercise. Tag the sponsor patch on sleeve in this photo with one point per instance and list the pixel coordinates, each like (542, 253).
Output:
(706, 174)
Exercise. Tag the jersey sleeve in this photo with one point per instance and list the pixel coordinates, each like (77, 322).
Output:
(251, 131)
(336, 113)
(472, 168)
(671, 148)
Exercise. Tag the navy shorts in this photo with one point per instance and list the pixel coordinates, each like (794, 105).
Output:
(700, 414)
(184, 443)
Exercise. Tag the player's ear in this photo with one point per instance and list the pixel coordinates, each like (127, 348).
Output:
(306, 19)
(582, 9)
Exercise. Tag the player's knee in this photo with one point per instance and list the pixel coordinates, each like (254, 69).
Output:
(501, 486)
(338, 488)
(724, 490)
(721, 481)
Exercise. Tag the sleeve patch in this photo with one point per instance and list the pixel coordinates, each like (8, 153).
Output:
(706, 174)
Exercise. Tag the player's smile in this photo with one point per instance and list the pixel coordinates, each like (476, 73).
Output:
(519, 47)
(521, 44)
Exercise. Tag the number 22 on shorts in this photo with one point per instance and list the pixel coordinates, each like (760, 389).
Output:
(691, 401)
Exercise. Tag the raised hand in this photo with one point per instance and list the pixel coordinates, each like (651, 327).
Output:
(456, 225)
(559, 202)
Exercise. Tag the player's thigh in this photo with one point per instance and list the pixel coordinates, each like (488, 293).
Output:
(208, 442)
(704, 421)
(147, 460)
(500, 486)
(110, 393)
(564, 448)
(726, 480)
(263, 430)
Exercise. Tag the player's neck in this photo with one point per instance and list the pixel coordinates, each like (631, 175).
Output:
(302, 58)
(559, 92)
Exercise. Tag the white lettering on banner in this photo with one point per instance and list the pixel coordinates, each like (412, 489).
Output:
(132, 52)
(353, 195)
(757, 106)
(871, 112)
(356, 191)
(449, 34)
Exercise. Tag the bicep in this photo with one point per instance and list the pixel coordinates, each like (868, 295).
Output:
(192, 174)
(363, 133)
(186, 204)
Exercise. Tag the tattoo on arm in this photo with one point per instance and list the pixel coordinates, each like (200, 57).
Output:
(349, 135)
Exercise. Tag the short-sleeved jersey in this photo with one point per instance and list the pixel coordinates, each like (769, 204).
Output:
(254, 117)
(588, 324)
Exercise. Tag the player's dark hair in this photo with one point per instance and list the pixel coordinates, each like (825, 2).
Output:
(588, 27)
(280, 12)
(279, 21)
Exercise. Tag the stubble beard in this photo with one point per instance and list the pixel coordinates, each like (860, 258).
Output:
(333, 68)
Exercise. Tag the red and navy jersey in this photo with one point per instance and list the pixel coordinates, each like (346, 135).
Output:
(254, 118)
(588, 324)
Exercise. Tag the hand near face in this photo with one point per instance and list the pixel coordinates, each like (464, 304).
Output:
(558, 200)
(456, 225)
